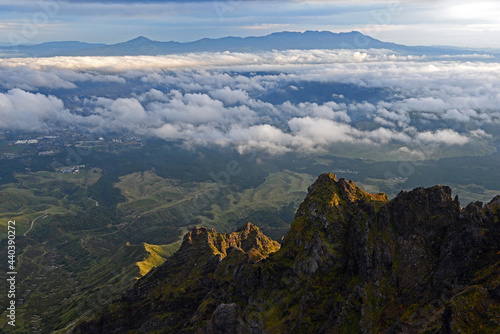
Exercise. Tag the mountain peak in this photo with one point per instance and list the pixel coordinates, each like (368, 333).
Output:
(140, 39)
(351, 262)
(247, 238)
(340, 191)
(248, 227)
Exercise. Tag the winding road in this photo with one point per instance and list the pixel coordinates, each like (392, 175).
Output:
(44, 215)
(96, 202)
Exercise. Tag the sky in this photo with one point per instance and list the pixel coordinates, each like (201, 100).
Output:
(455, 23)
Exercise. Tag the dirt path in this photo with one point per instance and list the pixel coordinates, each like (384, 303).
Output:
(33, 222)
(96, 202)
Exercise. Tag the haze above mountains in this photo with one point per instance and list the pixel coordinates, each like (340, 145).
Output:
(276, 41)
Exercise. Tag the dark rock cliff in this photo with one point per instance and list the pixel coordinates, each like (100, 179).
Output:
(352, 262)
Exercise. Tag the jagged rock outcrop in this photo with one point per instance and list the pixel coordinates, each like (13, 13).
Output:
(170, 295)
(352, 262)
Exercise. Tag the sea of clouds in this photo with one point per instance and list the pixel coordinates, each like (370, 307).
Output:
(211, 99)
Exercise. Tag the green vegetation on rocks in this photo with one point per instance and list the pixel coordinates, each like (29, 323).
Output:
(352, 262)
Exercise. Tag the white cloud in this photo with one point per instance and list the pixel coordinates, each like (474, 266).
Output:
(26, 111)
(480, 133)
(200, 109)
(445, 136)
(276, 59)
(322, 131)
(229, 96)
(399, 116)
(24, 76)
(220, 98)
(29, 79)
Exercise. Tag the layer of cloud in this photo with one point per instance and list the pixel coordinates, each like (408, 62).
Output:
(276, 59)
(221, 98)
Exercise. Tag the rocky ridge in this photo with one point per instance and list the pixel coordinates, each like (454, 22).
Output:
(352, 262)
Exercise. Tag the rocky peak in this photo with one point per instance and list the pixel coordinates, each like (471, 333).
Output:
(197, 237)
(494, 204)
(330, 191)
(249, 239)
(351, 262)
(331, 208)
(423, 211)
(197, 243)
(247, 228)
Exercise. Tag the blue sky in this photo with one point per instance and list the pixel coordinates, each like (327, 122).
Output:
(459, 23)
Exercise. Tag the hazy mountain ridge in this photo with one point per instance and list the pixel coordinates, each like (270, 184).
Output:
(47, 49)
(351, 262)
(276, 41)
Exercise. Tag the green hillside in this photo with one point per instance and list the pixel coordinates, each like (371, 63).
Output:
(79, 253)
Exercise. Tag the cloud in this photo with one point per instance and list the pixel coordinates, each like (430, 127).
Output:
(445, 136)
(200, 109)
(20, 110)
(399, 117)
(229, 96)
(127, 110)
(15, 75)
(29, 79)
(277, 59)
(480, 133)
(326, 98)
(330, 110)
(262, 137)
(324, 132)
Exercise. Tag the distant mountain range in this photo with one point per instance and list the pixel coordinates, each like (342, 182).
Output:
(276, 41)
(46, 49)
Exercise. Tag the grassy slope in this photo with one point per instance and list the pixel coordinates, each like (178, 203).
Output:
(210, 204)
(74, 259)
(147, 192)
(44, 193)
(61, 265)
(157, 254)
